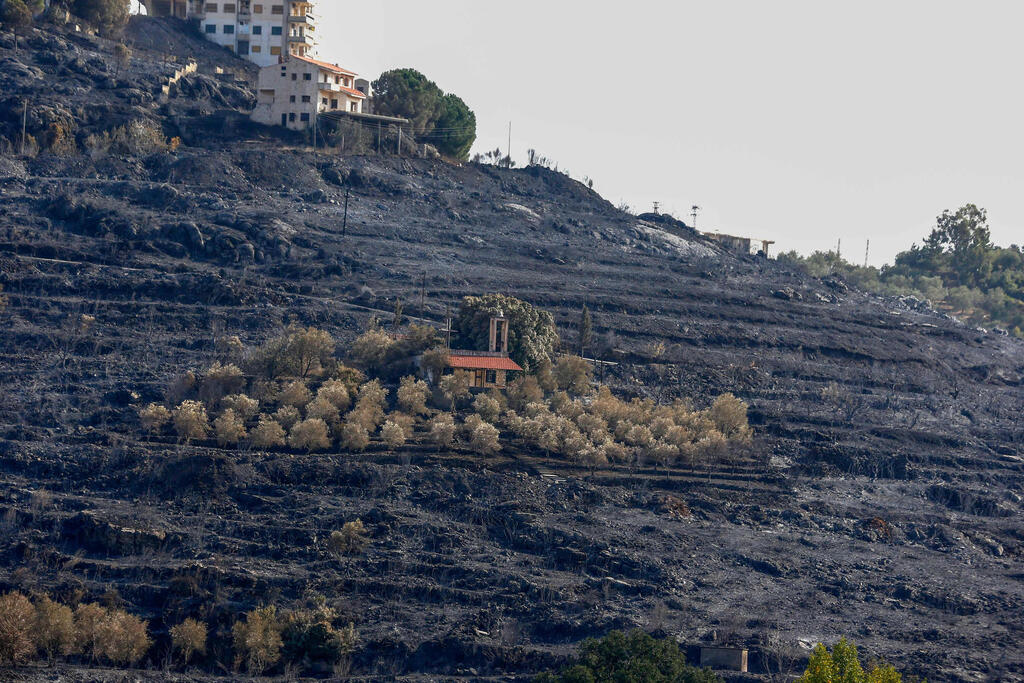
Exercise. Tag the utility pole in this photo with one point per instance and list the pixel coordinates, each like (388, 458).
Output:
(839, 248)
(24, 127)
(423, 296)
(378, 138)
(867, 249)
(693, 214)
(509, 162)
(399, 140)
(344, 221)
(316, 111)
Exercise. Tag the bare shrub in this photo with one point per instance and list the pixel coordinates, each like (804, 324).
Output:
(112, 634)
(230, 349)
(88, 621)
(268, 433)
(135, 138)
(17, 617)
(486, 407)
(54, 629)
(413, 395)
(245, 407)
(219, 381)
(300, 351)
(287, 416)
(257, 640)
(190, 420)
(180, 388)
(229, 428)
(523, 391)
(350, 540)
(336, 393)
(442, 430)
(406, 422)
(392, 434)
(154, 417)
(434, 362)
(188, 638)
(455, 387)
(354, 435)
(712, 445)
(730, 417)
(370, 404)
(640, 436)
(296, 394)
(483, 437)
(310, 435)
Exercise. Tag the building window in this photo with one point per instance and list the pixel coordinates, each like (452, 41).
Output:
(257, 9)
(276, 30)
(492, 377)
(307, 77)
(211, 28)
(305, 98)
(291, 117)
(292, 98)
(323, 100)
(353, 106)
(229, 7)
(229, 29)
(304, 117)
(275, 50)
(257, 48)
(257, 30)
(334, 104)
(211, 7)
(277, 9)
(295, 77)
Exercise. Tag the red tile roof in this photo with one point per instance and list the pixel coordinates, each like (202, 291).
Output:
(325, 65)
(482, 362)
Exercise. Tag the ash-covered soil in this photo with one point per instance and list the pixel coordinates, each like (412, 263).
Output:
(887, 509)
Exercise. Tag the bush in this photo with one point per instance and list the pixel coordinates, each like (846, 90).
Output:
(523, 391)
(190, 420)
(219, 381)
(88, 621)
(309, 638)
(188, 638)
(257, 640)
(455, 386)
(108, 15)
(483, 437)
(154, 417)
(442, 430)
(572, 374)
(245, 407)
(843, 664)
(124, 638)
(730, 417)
(370, 349)
(392, 434)
(354, 435)
(310, 435)
(229, 428)
(351, 540)
(370, 404)
(17, 617)
(180, 388)
(413, 395)
(486, 407)
(323, 409)
(336, 393)
(54, 629)
(296, 394)
(287, 416)
(268, 433)
(631, 657)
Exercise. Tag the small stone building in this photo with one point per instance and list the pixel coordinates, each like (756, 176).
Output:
(725, 658)
(488, 369)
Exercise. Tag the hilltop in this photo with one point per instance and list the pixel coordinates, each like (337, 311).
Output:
(882, 498)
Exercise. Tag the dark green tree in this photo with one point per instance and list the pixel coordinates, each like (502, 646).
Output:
(965, 236)
(455, 131)
(411, 95)
(108, 15)
(531, 332)
(17, 17)
(635, 657)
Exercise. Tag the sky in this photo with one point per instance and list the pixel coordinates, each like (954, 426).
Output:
(807, 122)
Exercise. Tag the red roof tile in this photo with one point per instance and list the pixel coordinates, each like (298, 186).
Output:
(324, 65)
(482, 362)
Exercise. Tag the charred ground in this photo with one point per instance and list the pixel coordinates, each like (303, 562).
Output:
(887, 508)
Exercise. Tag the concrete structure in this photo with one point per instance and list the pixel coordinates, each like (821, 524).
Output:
(263, 31)
(727, 658)
(293, 93)
(742, 245)
(488, 369)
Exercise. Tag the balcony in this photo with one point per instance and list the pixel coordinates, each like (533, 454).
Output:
(301, 39)
(304, 19)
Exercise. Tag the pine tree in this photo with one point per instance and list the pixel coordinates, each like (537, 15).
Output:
(586, 330)
(821, 668)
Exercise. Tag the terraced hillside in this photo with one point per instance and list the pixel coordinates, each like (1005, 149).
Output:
(882, 497)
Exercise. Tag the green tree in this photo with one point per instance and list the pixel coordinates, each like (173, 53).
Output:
(409, 94)
(455, 130)
(965, 236)
(17, 17)
(848, 668)
(107, 15)
(531, 337)
(821, 668)
(635, 657)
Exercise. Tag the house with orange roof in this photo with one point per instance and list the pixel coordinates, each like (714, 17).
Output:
(487, 369)
(294, 92)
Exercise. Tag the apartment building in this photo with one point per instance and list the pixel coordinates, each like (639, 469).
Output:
(264, 32)
(294, 92)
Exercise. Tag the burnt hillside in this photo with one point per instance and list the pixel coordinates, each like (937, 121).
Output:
(883, 500)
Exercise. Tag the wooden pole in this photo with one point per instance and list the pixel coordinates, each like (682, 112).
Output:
(24, 127)
(344, 222)
(399, 140)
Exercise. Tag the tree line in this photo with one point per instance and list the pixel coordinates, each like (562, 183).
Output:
(957, 267)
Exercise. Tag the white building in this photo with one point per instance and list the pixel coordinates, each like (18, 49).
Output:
(264, 32)
(293, 92)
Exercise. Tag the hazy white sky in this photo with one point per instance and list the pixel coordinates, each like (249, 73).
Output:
(803, 121)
